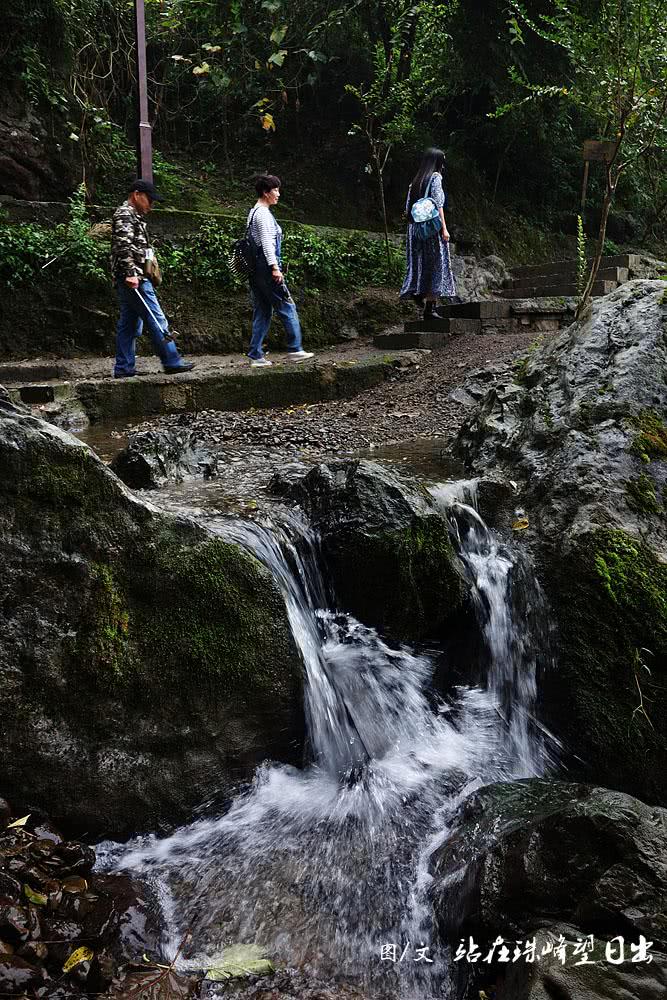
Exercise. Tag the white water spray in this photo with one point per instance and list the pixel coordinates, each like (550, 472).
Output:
(325, 865)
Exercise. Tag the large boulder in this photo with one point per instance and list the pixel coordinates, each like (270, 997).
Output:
(145, 665)
(580, 429)
(386, 544)
(541, 858)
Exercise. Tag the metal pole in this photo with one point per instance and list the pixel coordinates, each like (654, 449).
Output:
(144, 139)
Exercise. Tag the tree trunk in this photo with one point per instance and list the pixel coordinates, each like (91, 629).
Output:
(383, 204)
(606, 206)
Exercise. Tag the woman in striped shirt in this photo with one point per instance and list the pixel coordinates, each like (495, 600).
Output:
(267, 284)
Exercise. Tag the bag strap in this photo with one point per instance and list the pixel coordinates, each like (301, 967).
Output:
(249, 227)
(428, 188)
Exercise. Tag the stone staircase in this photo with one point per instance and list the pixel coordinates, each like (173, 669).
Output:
(559, 278)
(540, 298)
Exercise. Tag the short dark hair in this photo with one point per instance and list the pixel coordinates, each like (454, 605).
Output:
(265, 183)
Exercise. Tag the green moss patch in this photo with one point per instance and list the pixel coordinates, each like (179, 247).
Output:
(609, 600)
(651, 439)
(642, 497)
(405, 581)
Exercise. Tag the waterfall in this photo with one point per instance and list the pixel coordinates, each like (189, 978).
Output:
(325, 865)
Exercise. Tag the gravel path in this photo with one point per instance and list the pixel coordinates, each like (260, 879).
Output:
(416, 402)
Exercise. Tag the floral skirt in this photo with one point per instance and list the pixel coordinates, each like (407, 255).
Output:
(429, 268)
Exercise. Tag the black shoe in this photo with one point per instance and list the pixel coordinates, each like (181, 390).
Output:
(433, 313)
(129, 374)
(185, 366)
(419, 300)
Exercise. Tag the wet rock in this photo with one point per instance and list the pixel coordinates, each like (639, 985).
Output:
(581, 430)
(386, 544)
(598, 979)
(539, 853)
(127, 913)
(18, 976)
(153, 458)
(5, 808)
(145, 665)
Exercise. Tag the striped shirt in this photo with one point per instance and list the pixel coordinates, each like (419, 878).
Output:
(265, 232)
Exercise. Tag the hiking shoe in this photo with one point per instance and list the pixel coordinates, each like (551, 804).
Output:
(300, 355)
(185, 366)
(260, 363)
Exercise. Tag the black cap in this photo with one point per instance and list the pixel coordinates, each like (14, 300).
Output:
(145, 187)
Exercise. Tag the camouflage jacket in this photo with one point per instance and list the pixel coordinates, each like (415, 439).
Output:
(129, 242)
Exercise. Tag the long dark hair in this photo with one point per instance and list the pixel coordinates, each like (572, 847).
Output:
(433, 162)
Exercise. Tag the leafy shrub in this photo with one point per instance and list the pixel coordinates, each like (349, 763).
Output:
(29, 251)
(316, 259)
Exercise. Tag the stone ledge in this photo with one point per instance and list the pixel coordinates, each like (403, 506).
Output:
(234, 389)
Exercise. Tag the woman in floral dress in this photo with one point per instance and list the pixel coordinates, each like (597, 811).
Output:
(429, 268)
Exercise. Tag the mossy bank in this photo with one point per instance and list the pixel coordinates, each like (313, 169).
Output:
(146, 665)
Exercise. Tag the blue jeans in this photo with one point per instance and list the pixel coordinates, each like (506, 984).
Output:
(267, 295)
(139, 307)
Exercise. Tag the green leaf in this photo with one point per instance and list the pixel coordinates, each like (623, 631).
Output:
(278, 58)
(271, 5)
(241, 960)
(278, 34)
(38, 898)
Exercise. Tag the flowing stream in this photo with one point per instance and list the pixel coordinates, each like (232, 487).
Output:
(327, 865)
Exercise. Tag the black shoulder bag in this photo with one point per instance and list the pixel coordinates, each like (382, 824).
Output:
(243, 256)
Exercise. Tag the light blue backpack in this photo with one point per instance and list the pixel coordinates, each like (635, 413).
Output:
(425, 216)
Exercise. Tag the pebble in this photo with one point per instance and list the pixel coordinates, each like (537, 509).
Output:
(416, 402)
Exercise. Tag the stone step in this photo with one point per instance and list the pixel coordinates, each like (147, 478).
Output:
(624, 260)
(618, 274)
(427, 326)
(402, 340)
(558, 291)
(487, 309)
(455, 325)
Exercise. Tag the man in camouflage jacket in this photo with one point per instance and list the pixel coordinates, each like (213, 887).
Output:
(139, 306)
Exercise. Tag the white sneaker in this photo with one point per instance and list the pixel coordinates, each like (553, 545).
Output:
(300, 355)
(260, 363)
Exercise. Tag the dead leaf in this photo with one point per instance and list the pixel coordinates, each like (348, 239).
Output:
(241, 960)
(521, 524)
(153, 984)
(74, 883)
(83, 954)
(19, 822)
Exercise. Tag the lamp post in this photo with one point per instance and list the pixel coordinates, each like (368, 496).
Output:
(144, 139)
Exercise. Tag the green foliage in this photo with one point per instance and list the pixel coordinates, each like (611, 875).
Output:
(336, 260)
(331, 260)
(582, 263)
(28, 250)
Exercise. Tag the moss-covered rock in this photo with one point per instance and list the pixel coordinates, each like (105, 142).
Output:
(608, 695)
(47, 318)
(146, 665)
(594, 491)
(387, 547)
